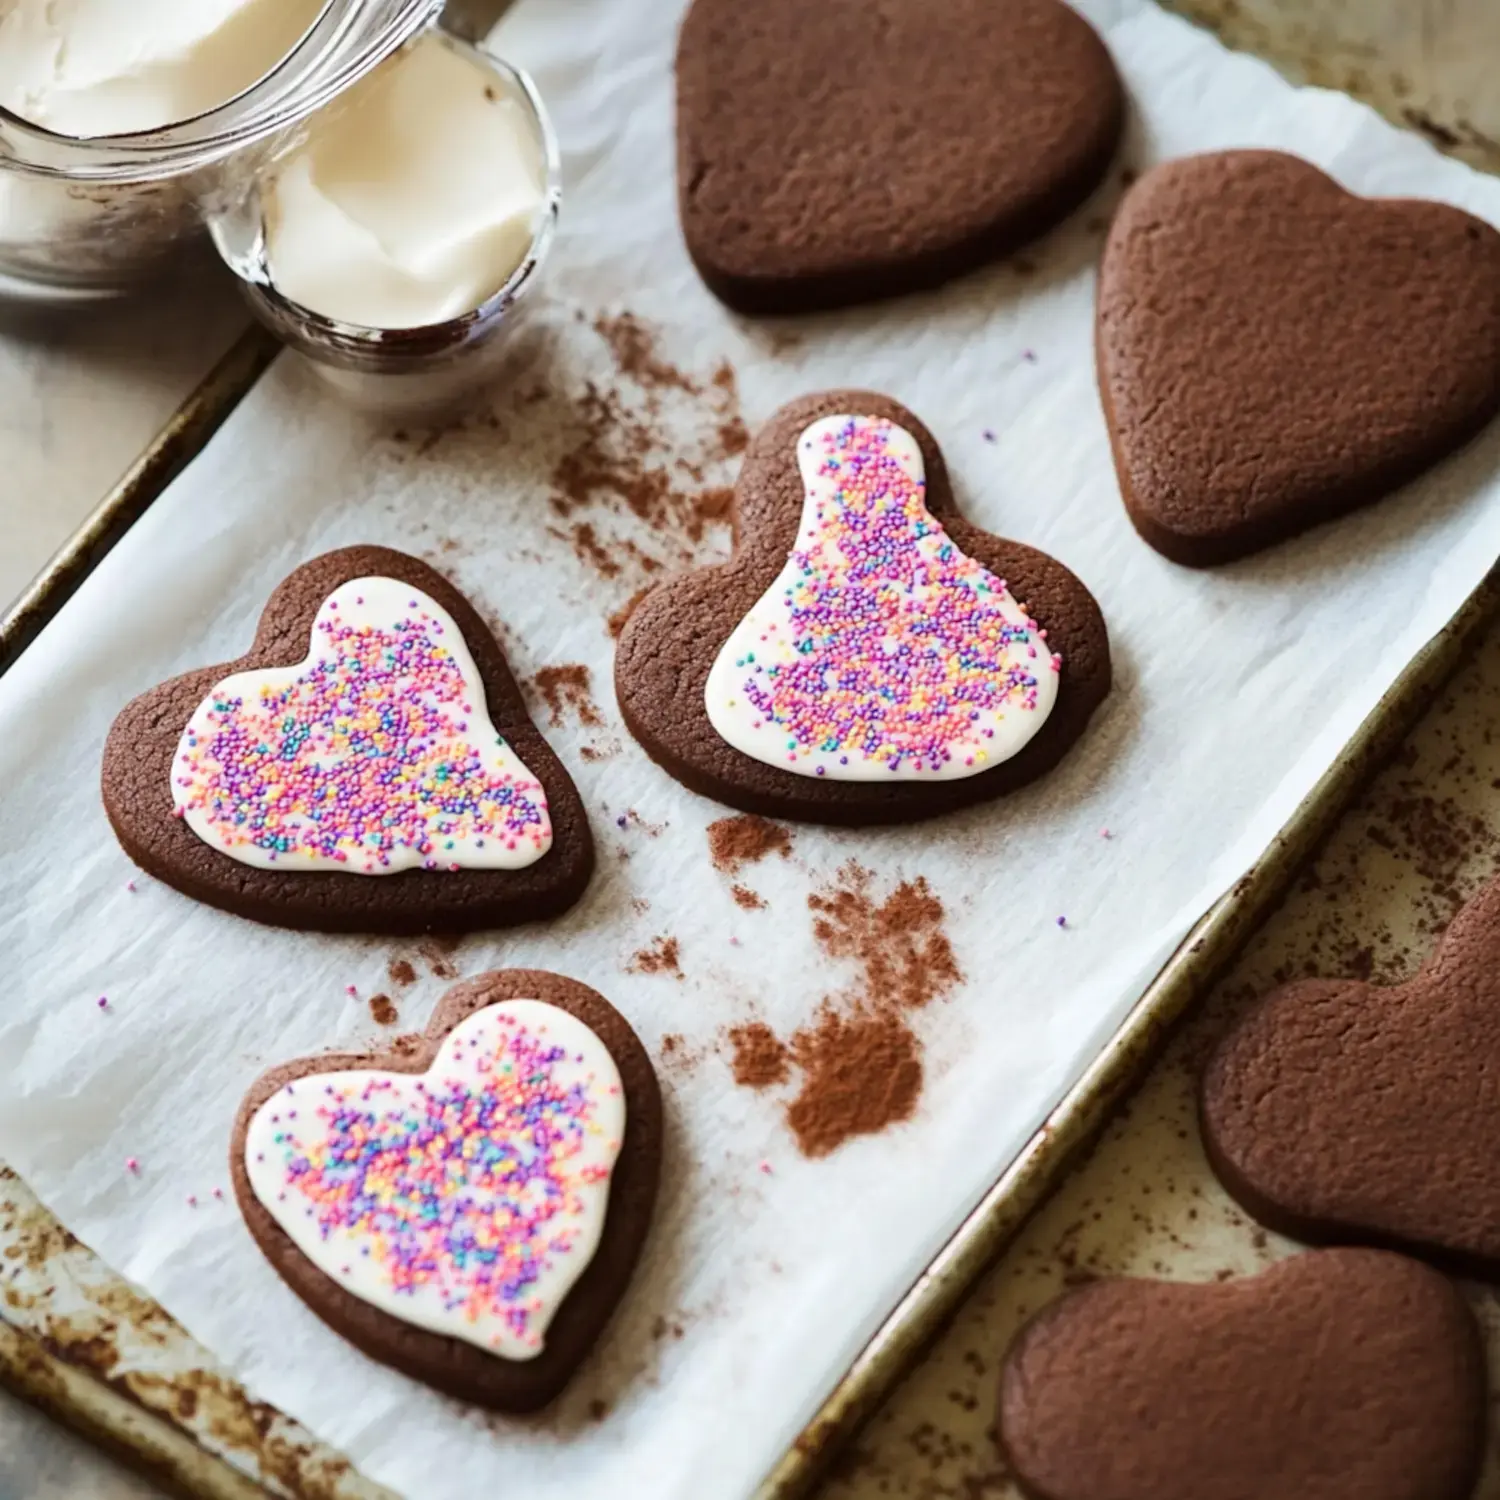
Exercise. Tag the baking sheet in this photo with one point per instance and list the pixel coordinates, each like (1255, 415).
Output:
(766, 1271)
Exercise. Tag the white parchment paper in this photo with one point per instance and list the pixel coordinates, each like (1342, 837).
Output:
(765, 1271)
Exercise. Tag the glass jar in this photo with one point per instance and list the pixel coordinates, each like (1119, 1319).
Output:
(90, 218)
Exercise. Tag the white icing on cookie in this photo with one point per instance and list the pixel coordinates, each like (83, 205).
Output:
(881, 652)
(375, 754)
(466, 1200)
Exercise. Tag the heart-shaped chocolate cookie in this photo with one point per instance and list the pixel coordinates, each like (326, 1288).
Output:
(368, 766)
(1336, 1375)
(851, 149)
(866, 655)
(1274, 351)
(467, 1207)
(1338, 1110)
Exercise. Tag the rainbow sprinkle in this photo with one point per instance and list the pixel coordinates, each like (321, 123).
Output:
(466, 1182)
(900, 644)
(361, 757)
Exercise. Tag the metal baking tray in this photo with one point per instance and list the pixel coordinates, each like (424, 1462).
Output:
(86, 1346)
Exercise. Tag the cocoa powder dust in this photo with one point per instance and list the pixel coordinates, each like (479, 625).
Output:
(641, 485)
(745, 840)
(662, 957)
(568, 689)
(858, 1064)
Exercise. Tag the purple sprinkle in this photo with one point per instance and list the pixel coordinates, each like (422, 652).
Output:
(989, 435)
(103, 1002)
(1062, 921)
(622, 821)
(1029, 355)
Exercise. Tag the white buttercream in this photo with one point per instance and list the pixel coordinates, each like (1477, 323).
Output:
(108, 67)
(414, 201)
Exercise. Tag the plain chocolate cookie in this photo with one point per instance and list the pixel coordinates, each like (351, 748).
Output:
(1274, 351)
(138, 788)
(836, 152)
(1342, 1111)
(674, 635)
(450, 1364)
(1336, 1375)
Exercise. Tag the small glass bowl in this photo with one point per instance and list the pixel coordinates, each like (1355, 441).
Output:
(400, 371)
(86, 218)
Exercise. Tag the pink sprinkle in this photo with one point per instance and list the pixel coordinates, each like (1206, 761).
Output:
(132, 1165)
(192, 1201)
(350, 990)
(130, 885)
(1104, 833)
(765, 1167)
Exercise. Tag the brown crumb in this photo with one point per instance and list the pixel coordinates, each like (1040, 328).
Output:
(400, 972)
(598, 1410)
(437, 960)
(662, 957)
(760, 1057)
(567, 689)
(745, 897)
(745, 840)
(382, 1011)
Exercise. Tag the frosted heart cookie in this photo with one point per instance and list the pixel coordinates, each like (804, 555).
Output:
(1274, 351)
(468, 1210)
(831, 153)
(368, 766)
(867, 655)
(1340, 1110)
(1336, 1375)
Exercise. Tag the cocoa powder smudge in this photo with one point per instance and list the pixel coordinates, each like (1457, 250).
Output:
(859, 1062)
(860, 1074)
(567, 689)
(899, 942)
(382, 1011)
(400, 972)
(760, 1057)
(662, 957)
(746, 898)
(629, 461)
(746, 840)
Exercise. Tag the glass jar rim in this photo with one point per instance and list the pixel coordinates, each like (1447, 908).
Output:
(333, 55)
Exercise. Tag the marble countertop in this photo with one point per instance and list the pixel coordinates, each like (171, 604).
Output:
(80, 396)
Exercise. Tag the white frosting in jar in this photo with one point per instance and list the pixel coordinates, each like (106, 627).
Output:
(114, 67)
(412, 202)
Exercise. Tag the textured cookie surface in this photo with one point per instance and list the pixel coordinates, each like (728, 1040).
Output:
(853, 149)
(141, 781)
(1274, 351)
(1338, 1110)
(676, 634)
(1336, 1375)
(452, 1364)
